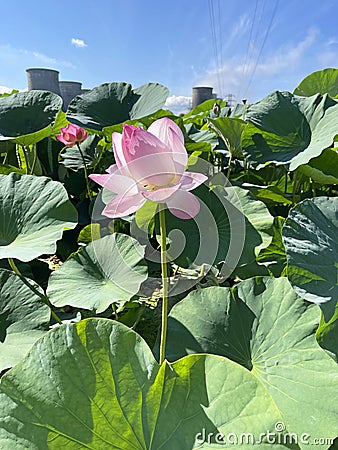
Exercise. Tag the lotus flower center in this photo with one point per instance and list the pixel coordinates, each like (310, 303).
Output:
(153, 187)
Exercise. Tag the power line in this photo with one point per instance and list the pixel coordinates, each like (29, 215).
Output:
(262, 46)
(216, 45)
(260, 20)
(249, 40)
(220, 45)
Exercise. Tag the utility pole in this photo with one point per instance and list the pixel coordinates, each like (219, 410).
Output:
(230, 99)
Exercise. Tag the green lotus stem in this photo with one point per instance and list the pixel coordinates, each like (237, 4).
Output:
(55, 317)
(22, 147)
(165, 284)
(246, 169)
(313, 190)
(229, 166)
(34, 159)
(286, 182)
(273, 173)
(114, 311)
(297, 186)
(14, 267)
(44, 298)
(294, 188)
(85, 171)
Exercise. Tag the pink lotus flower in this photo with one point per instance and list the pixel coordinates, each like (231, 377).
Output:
(71, 135)
(150, 165)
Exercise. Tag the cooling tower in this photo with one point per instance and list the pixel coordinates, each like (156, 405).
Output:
(45, 79)
(200, 94)
(69, 90)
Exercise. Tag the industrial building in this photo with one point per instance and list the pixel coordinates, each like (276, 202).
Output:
(48, 80)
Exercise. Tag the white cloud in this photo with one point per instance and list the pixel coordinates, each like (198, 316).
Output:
(48, 60)
(178, 104)
(10, 55)
(329, 55)
(240, 28)
(78, 43)
(290, 57)
(5, 90)
(332, 41)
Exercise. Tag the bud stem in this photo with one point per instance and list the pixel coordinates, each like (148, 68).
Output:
(85, 171)
(165, 284)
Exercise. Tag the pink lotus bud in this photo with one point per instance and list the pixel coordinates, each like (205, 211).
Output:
(216, 109)
(71, 135)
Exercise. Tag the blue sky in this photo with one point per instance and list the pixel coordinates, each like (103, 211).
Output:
(248, 48)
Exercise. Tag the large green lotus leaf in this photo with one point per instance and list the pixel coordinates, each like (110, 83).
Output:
(271, 260)
(150, 98)
(230, 130)
(6, 169)
(270, 195)
(143, 122)
(202, 111)
(148, 120)
(324, 128)
(265, 326)
(310, 239)
(199, 141)
(60, 122)
(113, 103)
(95, 384)
(274, 256)
(108, 270)
(7, 147)
(202, 135)
(288, 129)
(327, 334)
(34, 211)
(232, 226)
(23, 318)
(324, 168)
(198, 148)
(27, 117)
(323, 82)
(48, 151)
(145, 217)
